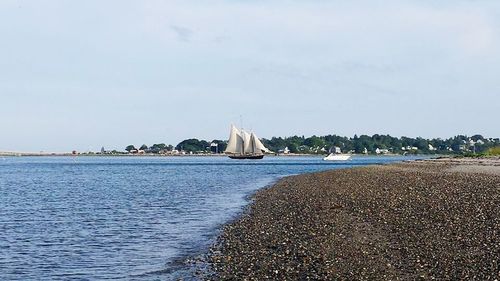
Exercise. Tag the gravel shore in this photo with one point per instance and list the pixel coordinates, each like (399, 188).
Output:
(416, 220)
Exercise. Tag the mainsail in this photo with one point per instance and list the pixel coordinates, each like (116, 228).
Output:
(235, 142)
(244, 143)
(248, 146)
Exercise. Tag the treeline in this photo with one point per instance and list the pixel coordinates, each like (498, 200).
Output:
(375, 144)
(186, 146)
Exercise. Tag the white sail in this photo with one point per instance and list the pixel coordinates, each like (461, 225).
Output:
(247, 142)
(259, 146)
(235, 142)
(253, 144)
(243, 143)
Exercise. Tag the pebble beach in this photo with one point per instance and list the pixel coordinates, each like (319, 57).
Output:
(433, 219)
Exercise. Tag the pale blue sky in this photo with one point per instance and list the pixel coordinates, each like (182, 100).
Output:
(85, 74)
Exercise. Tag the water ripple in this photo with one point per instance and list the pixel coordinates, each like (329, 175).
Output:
(124, 218)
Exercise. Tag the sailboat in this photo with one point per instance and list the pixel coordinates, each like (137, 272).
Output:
(244, 145)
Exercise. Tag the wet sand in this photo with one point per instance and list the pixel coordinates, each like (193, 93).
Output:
(416, 220)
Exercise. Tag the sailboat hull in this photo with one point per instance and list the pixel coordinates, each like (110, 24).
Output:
(254, 157)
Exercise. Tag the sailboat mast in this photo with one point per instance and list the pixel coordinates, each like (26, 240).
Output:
(252, 137)
(242, 145)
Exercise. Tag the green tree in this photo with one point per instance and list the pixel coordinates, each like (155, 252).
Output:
(422, 145)
(157, 147)
(315, 143)
(193, 145)
(477, 137)
(130, 148)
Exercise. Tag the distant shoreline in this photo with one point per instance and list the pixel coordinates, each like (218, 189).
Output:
(142, 155)
(63, 154)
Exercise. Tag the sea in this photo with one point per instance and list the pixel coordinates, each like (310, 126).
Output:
(129, 218)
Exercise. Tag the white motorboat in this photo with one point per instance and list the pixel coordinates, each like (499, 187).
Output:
(337, 157)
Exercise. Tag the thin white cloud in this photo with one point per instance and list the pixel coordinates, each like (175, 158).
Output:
(183, 33)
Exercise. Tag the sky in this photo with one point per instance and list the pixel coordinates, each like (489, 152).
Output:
(86, 74)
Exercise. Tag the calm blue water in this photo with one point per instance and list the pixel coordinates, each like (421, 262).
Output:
(126, 217)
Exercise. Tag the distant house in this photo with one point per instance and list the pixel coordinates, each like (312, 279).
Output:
(381, 151)
(284, 151)
(432, 148)
(409, 148)
(303, 147)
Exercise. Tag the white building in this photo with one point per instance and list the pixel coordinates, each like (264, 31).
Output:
(381, 151)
